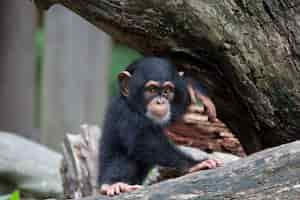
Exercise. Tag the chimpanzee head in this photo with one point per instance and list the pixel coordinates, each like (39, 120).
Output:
(153, 88)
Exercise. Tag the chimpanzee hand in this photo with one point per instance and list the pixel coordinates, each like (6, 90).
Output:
(209, 106)
(206, 164)
(117, 188)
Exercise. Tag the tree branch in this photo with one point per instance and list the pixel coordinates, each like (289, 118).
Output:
(270, 174)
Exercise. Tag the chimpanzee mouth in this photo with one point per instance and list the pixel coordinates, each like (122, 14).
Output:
(159, 120)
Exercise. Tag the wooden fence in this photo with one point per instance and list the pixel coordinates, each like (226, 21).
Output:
(73, 77)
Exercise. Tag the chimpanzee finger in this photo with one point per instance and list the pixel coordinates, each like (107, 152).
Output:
(104, 189)
(209, 106)
(136, 187)
(215, 163)
(114, 190)
(117, 189)
(123, 187)
(126, 188)
(133, 187)
(212, 163)
(198, 167)
(110, 191)
(207, 165)
(129, 188)
(218, 162)
(192, 94)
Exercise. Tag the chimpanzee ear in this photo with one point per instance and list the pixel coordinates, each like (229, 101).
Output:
(123, 78)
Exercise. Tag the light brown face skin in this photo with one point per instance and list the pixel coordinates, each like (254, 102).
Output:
(209, 106)
(158, 97)
(118, 188)
(207, 164)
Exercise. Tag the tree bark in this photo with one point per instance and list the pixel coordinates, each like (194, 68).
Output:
(247, 53)
(79, 169)
(270, 174)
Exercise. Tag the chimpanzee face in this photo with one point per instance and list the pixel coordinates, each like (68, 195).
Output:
(158, 97)
(153, 87)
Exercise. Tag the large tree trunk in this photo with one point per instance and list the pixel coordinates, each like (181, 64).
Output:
(267, 175)
(246, 52)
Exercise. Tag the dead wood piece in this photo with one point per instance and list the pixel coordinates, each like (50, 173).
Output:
(205, 135)
(79, 167)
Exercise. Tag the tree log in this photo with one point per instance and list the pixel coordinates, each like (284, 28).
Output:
(267, 175)
(247, 53)
(195, 130)
(29, 167)
(80, 164)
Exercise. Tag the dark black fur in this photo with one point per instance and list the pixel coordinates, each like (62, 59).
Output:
(132, 144)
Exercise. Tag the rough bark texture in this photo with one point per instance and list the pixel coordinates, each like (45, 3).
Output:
(267, 175)
(195, 130)
(246, 52)
(80, 164)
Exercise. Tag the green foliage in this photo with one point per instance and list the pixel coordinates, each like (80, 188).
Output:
(39, 42)
(121, 57)
(39, 46)
(15, 195)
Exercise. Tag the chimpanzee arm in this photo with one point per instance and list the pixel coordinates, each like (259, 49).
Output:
(196, 85)
(201, 94)
(153, 148)
(118, 169)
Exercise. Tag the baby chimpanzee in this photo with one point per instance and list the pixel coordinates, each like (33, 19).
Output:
(152, 96)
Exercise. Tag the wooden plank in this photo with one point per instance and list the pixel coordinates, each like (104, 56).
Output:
(17, 61)
(75, 83)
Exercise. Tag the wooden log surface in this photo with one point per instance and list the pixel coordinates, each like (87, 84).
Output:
(29, 167)
(195, 130)
(80, 164)
(267, 175)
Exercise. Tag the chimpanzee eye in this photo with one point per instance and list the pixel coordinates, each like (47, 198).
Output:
(152, 89)
(167, 90)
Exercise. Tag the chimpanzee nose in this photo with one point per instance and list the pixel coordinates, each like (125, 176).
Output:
(160, 100)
